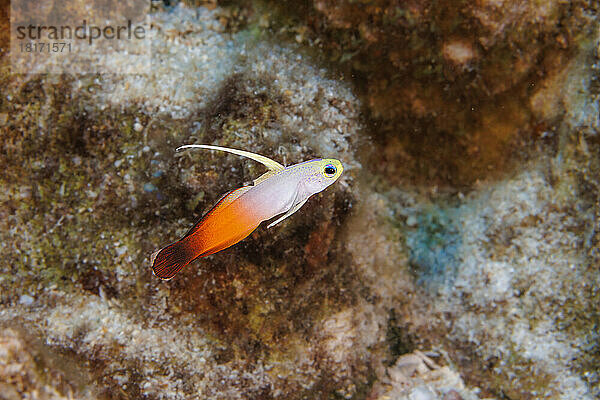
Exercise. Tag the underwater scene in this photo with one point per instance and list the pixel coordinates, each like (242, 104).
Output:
(315, 199)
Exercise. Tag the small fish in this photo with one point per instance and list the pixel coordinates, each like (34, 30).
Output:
(238, 213)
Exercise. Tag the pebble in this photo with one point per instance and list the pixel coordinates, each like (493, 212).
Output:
(121, 250)
(26, 300)
(411, 220)
(452, 395)
(422, 393)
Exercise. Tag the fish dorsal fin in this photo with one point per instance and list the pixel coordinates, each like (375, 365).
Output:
(264, 177)
(267, 162)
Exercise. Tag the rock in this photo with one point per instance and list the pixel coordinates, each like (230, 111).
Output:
(422, 393)
(26, 300)
(20, 376)
(435, 77)
(467, 209)
(452, 395)
(458, 52)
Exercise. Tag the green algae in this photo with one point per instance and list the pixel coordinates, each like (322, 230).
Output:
(65, 189)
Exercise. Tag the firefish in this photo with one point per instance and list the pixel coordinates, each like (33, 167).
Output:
(281, 190)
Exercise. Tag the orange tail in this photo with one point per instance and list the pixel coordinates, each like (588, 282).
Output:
(168, 261)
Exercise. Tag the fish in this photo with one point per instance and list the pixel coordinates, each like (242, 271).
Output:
(281, 191)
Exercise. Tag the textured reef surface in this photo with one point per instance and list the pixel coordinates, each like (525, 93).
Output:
(457, 257)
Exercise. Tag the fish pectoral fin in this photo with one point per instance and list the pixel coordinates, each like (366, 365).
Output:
(272, 165)
(292, 210)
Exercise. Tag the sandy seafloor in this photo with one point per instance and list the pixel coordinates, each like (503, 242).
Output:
(456, 258)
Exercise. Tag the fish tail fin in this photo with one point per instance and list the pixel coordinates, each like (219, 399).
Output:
(169, 260)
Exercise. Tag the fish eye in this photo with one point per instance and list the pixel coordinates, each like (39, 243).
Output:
(330, 170)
